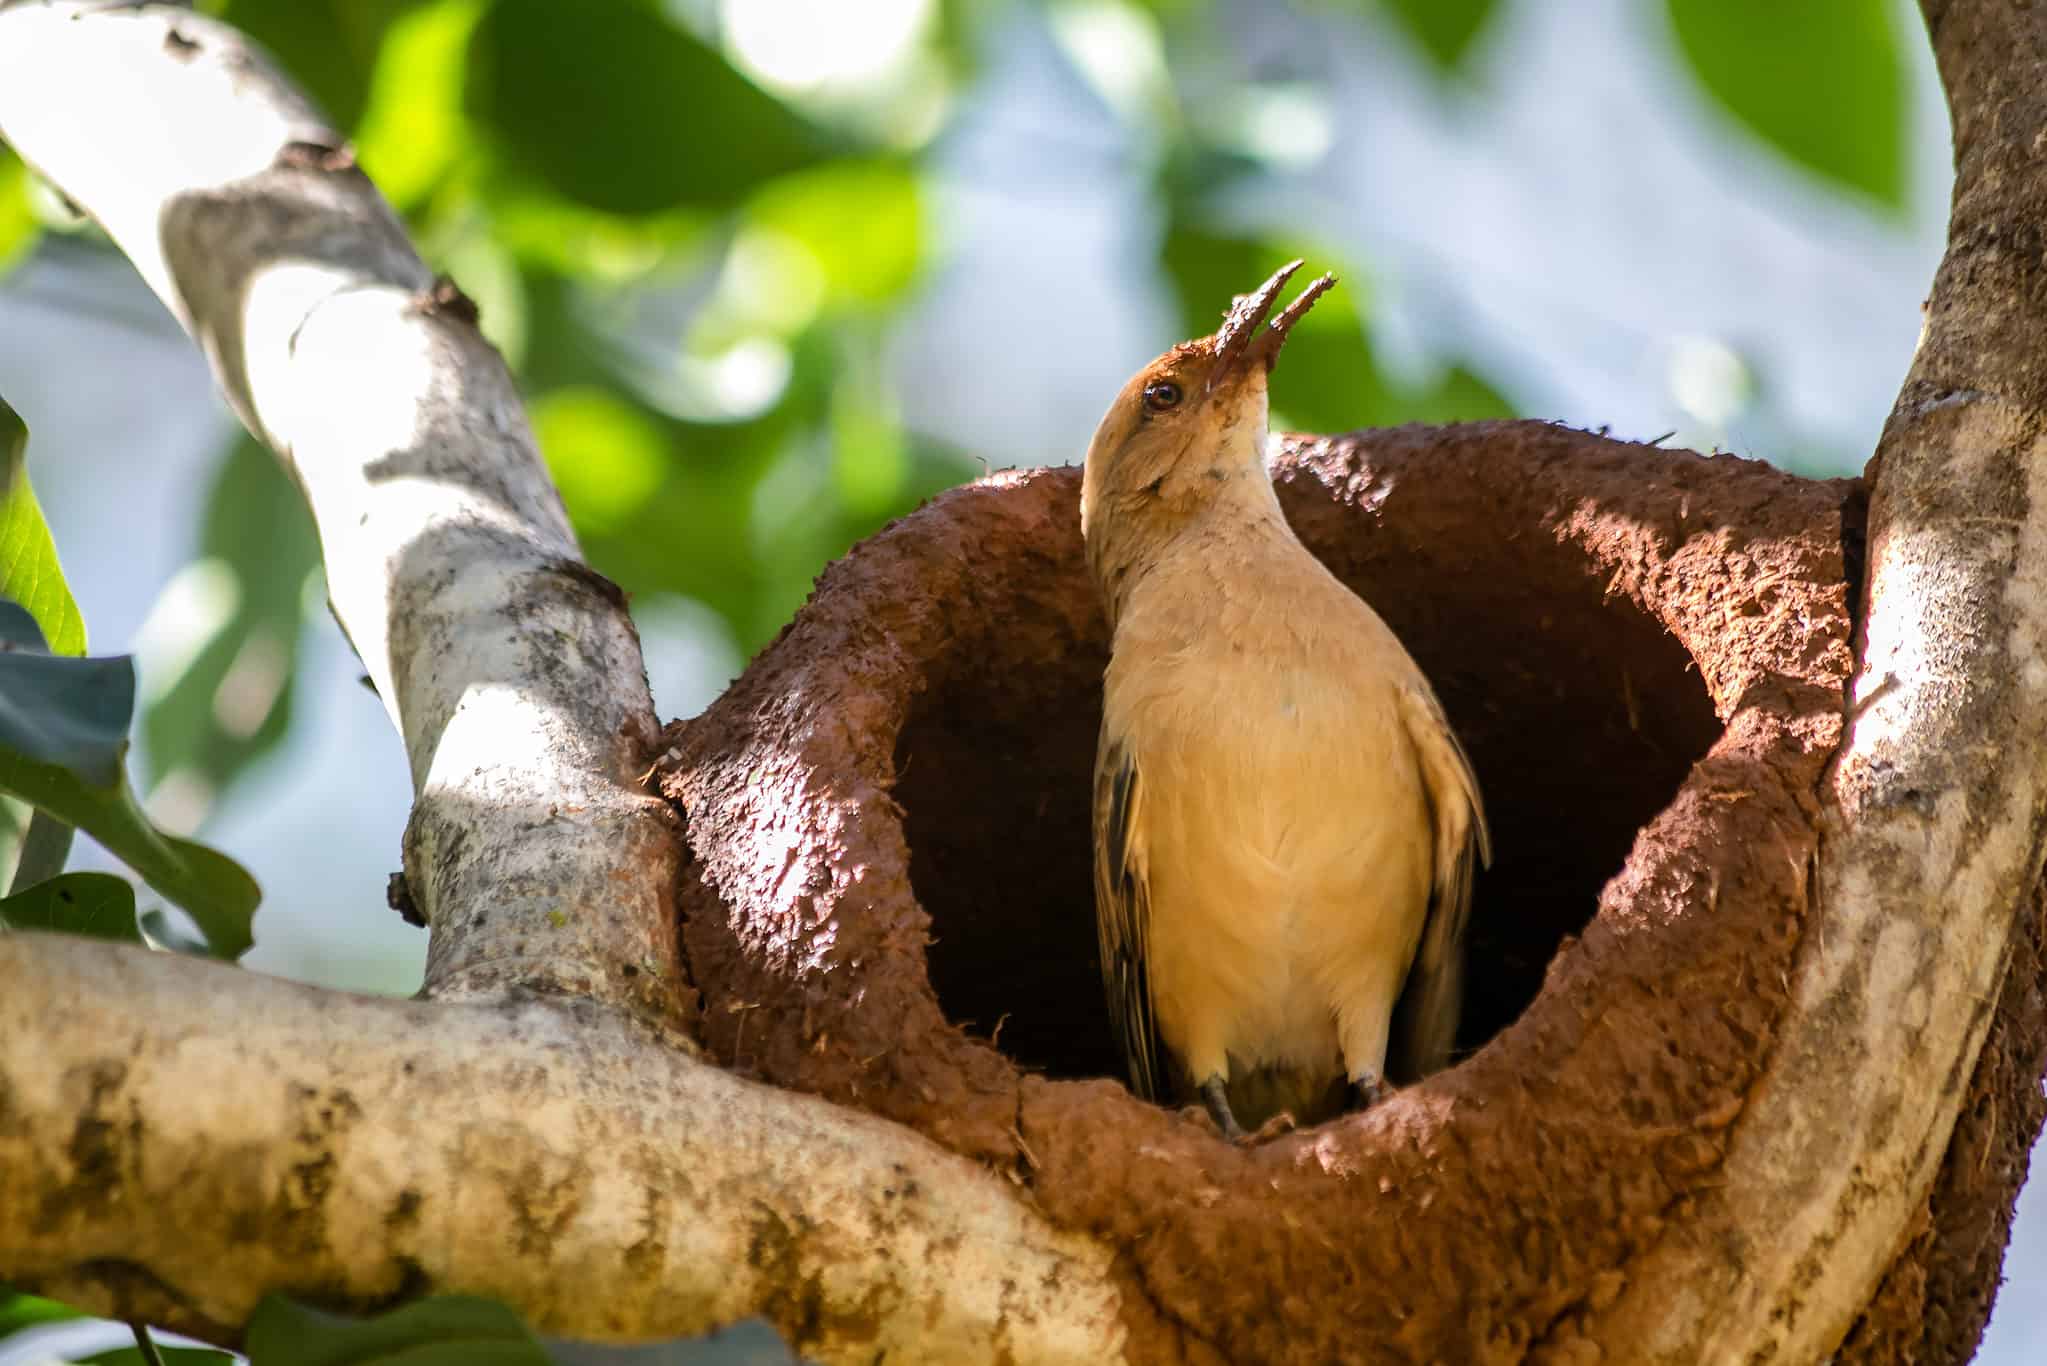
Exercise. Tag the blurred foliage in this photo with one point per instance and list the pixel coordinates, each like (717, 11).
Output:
(697, 258)
(99, 905)
(1327, 380)
(64, 721)
(618, 108)
(17, 216)
(169, 1356)
(1446, 29)
(226, 700)
(443, 1330)
(463, 1330)
(19, 1311)
(1822, 81)
(29, 572)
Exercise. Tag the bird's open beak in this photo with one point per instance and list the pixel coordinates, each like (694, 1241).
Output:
(1243, 339)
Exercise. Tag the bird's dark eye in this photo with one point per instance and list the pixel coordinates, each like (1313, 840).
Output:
(1161, 394)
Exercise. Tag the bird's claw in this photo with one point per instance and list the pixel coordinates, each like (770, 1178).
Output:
(1281, 1123)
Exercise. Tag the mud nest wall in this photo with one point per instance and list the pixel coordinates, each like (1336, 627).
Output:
(1646, 653)
(1582, 712)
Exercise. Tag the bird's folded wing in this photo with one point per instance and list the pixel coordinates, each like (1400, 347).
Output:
(1123, 914)
(1433, 996)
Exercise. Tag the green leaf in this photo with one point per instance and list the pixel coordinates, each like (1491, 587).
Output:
(97, 904)
(218, 893)
(70, 714)
(1822, 81)
(750, 1342)
(19, 1311)
(18, 226)
(171, 1356)
(619, 108)
(45, 845)
(160, 933)
(230, 703)
(1445, 29)
(449, 1330)
(460, 1330)
(29, 571)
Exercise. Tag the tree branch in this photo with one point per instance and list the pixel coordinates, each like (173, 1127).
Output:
(1934, 824)
(197, 1136)
(511, 669)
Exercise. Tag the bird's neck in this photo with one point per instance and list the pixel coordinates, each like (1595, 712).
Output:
(1231, 513)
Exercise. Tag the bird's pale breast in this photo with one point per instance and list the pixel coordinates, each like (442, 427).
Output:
(1287, 833)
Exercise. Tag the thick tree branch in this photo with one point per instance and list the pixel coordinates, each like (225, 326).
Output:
(196, 1136)
(511, 670)
(1933, 832)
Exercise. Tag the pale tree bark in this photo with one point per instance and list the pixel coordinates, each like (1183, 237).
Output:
(1932, 833)
(180, 1138)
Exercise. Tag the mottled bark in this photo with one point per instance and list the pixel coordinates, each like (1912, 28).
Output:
(1932, 837)
(193, 1137)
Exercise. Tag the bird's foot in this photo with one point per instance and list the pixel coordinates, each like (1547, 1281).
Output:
(1281, 1123)
(1368, 1090)
(1216, 1097)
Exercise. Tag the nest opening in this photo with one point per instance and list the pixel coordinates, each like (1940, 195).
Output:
(1582, 714)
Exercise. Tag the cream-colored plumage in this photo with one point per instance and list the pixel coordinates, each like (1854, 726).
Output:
(1285, 825)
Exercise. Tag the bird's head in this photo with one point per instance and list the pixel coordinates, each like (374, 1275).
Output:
(1188, 430)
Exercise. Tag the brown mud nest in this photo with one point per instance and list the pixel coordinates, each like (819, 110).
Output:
(888, 900)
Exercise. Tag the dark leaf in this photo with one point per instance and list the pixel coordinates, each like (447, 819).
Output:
(96, 904)
(751, 1343)
(449, 1330)
(171, 1356)
(328, 46)
(615, 106)
(18, 627)
(1445, 29)
(460, 1330)
(69, 713)
(1822, 81)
